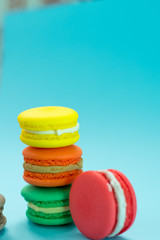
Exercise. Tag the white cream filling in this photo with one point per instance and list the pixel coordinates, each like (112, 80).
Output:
(57, 132)
(120, 197)
(49, 210)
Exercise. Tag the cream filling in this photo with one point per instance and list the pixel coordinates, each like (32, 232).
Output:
(120, 197)
(57, 132)
(48, 210)
(52, 169)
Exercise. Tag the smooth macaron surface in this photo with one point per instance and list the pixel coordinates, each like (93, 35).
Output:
(52, 167)
(93, 206)
(47, 118)
(52, 156)
(49, 127)
(102, 203)
(47, 206)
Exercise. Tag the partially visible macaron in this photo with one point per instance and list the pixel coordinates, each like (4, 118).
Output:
(102, 203)
(47, 206)
(49, 127)
(2, 218)
(52, 167)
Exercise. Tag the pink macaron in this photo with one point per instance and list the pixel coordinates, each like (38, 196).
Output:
(102, 203)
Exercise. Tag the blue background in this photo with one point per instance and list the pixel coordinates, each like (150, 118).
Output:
(103, 60)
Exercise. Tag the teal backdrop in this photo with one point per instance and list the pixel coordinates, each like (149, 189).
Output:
(103, 60)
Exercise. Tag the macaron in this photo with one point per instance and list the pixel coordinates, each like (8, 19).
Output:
(52, 167)
(49, 127)
(47, 206)
(2, 218)
(102, 203)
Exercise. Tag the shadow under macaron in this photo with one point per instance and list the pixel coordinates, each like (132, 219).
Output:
(3, 232)
(119, 238)
(53, 231)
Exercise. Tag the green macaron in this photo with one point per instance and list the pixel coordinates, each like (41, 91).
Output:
(48, 206)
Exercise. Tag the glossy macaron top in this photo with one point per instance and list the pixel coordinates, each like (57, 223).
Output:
(102, 203)
(52, 156)
(33, 194)
(48, 118)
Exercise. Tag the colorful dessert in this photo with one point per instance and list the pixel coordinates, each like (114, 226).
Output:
(49, 127)
(47, 206)
(52, 167)
(2, 218)
(51, 162)
(102, 203)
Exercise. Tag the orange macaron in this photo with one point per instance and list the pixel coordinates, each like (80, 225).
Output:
(52, 167)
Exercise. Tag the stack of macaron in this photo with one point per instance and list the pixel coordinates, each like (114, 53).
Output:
(51, 162)
(2, 218)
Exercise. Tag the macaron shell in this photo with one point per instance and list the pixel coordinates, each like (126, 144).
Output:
(39, 194)
(53, 156)
(3, 219)
(48, 118)
(130, 198)
(45, 221)
(47, 198)
(2, 225)
(55, 180)
(49, 140)
(93, 205)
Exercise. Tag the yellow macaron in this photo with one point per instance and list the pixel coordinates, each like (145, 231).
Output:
(49, 127)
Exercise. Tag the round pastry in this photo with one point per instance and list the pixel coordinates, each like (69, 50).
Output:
(49, 127)
(52, 167)
(47, 206)
(2, 218)
(102, 203)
